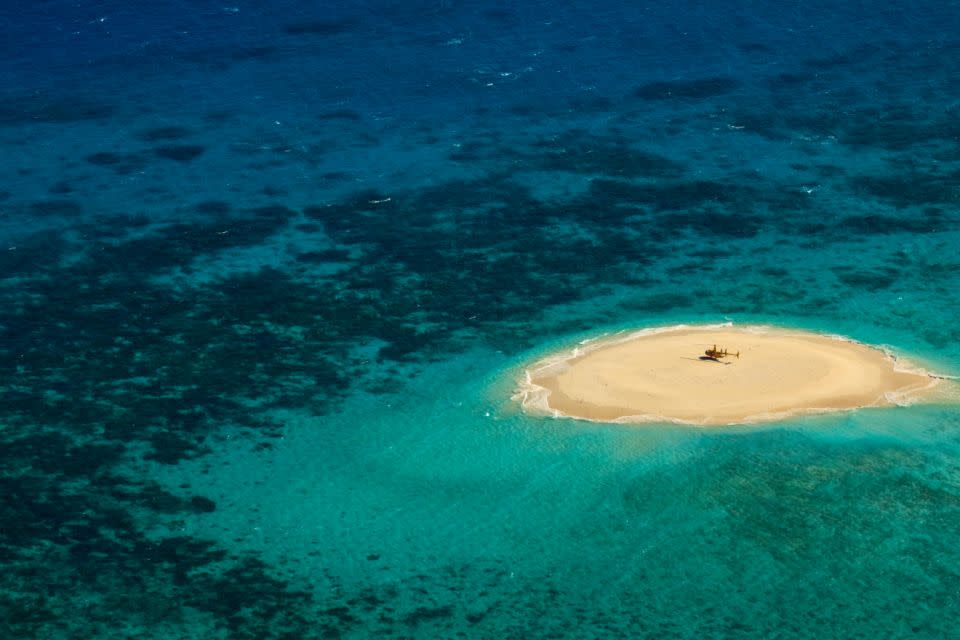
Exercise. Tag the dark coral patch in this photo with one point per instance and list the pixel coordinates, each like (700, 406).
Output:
(663, 302)
(273, 191)
(39, 107)
(161, 134)
(499, 15)
(48, 208)
(340, 114)
(868, 279)
(222, 58)
(579, 152)
(665, 196)
(63, 499)
(105, 158)
(202, 505)
(899, 128)
(592, 104)
(179, 244)
(754, 47)
(712, 224)
(213, 207)
(699, 89)
(883, 224)
(829, 62)
(121, 163)
(324, 257)
(117, 226)
(111, 366)
(32, 254)
(169, 447)
(179, 152)
(913, 188)
(421, 615)
(321, 27)
(791, 80)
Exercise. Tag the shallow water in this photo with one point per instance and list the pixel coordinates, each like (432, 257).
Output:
(270, 275)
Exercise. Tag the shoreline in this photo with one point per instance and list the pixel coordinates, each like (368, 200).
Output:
(658, 375)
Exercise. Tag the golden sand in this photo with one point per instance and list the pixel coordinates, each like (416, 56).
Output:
(661, 375)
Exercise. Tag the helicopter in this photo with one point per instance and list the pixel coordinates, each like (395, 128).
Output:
(716, 354)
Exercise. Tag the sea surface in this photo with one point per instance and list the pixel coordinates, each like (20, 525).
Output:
(270, 273)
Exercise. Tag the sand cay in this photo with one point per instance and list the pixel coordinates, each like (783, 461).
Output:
(663, 375)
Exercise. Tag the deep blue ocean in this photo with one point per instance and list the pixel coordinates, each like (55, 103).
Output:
(270, 273)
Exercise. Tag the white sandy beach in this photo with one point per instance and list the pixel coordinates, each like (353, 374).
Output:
(662, 375)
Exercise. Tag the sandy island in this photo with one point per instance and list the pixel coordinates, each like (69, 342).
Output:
(661, 375)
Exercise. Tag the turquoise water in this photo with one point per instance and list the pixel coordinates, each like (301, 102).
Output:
(271, 272)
